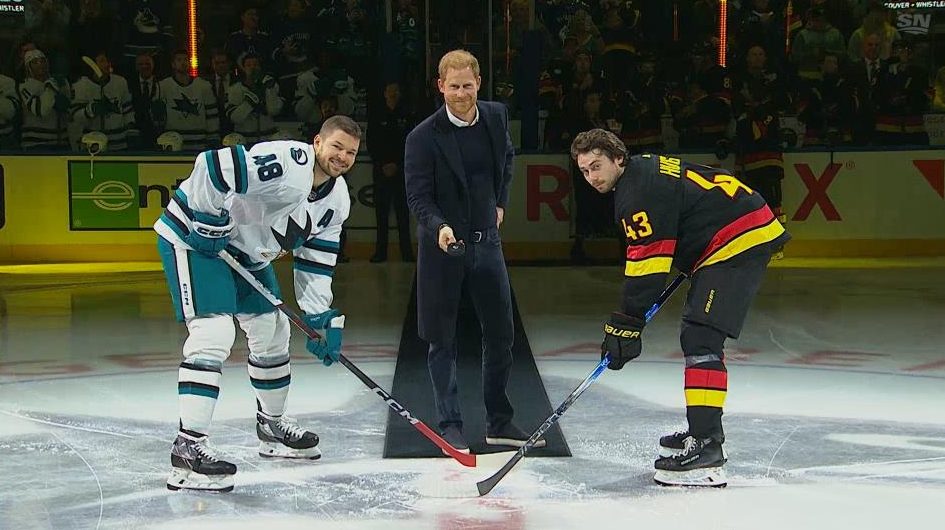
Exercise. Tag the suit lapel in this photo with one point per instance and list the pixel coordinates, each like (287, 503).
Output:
(446, 141)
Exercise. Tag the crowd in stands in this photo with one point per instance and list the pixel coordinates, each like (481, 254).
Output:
(839, 68)
(645, 69)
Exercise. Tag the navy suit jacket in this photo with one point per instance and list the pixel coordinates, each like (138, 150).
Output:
(437, 193)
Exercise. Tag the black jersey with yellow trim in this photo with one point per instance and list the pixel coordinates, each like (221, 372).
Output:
(689, 216)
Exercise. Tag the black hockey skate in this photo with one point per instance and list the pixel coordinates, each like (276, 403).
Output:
(674, 444)
(282, 437)
(699, 464)
(195, 467)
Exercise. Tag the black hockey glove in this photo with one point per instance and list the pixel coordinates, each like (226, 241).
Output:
(621, 339)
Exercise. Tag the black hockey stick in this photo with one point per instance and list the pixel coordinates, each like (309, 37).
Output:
(468, 460)
(485, 486)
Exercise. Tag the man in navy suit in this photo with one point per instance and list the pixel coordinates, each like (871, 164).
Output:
(458, 167)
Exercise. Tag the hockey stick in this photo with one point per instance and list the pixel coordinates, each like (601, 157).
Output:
(468, 460)
(485, 486)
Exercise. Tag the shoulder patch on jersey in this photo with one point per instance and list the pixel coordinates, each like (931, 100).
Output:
(299, 155)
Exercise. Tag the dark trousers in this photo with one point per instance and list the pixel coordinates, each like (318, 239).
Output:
(488, 286)
(389, 193)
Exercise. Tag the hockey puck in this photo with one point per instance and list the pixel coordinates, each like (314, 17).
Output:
(456, 249)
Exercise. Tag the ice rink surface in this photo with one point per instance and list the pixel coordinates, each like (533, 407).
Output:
(835, 415)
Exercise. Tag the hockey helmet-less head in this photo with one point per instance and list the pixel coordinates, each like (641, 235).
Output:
(170, 141)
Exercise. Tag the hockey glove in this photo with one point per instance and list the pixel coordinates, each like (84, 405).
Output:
(329, 325)
(210, 233)
(621, 339)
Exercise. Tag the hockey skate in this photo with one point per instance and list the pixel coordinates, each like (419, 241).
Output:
(282, 437)
(673, 444)
(699, 464)
(195, 467)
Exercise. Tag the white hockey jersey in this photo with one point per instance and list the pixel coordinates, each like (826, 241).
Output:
(44, 126)
(192, 112)
(9, 108)
(118, 119)
(268, 194)
(252, 118)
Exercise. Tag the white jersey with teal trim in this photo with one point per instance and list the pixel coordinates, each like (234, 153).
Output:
(268, 194)
(191, 111)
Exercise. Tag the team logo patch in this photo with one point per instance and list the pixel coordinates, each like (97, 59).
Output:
(299, 155)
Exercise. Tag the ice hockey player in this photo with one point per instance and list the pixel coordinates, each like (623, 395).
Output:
(278, 197)
(705, 223)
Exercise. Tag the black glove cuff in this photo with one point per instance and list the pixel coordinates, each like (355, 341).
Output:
(621, 319)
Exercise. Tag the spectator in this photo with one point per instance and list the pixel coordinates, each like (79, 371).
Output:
(641, 108)
(387, 134)
(582, 28)
(47, 24)
(704, 121)
(294, 44)
(249, 38)
(903, 100)
(187, 106)
(9, 114)
(875, 22)
(826, 106)
(866, 78)
(221, 79)
(146, 28)
(92, 31)
(815, 40)
(762, 24)
(254, 102)
(145, 93)
(591, 209)
(45, 102)
(938, 103)
(103, 103)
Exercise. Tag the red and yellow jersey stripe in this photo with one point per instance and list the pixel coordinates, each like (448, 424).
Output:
(652, 258)
(746, 232)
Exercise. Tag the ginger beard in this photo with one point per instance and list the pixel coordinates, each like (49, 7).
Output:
(459, 89)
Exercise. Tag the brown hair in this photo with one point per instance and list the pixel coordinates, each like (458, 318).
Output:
(599, 139)
(458, 60)
(342, 123)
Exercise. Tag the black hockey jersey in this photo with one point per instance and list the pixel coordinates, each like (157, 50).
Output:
(675, 213)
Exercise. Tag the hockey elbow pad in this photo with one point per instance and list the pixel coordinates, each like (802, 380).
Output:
(210, 233)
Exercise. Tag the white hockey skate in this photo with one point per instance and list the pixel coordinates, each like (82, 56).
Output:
(195, 467)
(700, 464)
(281, 437)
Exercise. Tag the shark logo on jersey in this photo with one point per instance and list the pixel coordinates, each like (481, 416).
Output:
(299, 155)
(295, 234)
(186, 106)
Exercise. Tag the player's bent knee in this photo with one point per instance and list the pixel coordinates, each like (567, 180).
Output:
(701, 343)
(267, 334)
(211, 338)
